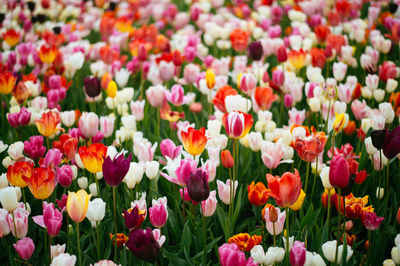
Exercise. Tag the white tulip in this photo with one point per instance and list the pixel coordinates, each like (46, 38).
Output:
(8, 198)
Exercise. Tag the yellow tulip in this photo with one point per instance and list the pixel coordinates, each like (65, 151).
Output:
(210, 78)
(112, 89)
(77, 205)
(339, 122)
(239, 79)
(299, 202)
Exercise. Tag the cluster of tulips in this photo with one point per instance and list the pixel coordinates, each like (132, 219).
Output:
(244, 132)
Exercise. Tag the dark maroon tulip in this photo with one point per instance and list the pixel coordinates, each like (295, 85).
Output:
(143, 244)
(133, 219)
(339, 174)
(391, 146)
(197, 185)
(378, 138)
(92, 86)
(255, 50)
(114, 170)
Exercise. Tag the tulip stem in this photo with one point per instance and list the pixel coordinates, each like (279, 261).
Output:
(98, 240)
(273, 228)
(204, 235)
(307, 174)
(327, 117)
(50, 241)
(158, 123)
(287, 234)
(97, 184)
(23, 196)
(48, 143)
(338, 227)
(315, 178)
(79, 244)
(15, 227)
(67, 231)
(115, 223)
(230, 198)
(183, 206)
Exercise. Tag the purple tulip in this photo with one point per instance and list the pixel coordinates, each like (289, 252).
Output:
(114, 170)
(133, 218)
(92, 86)
(197, 185)
(255, 50)
(143, 244)
(391, 146)
(298, 254)
(378, 138)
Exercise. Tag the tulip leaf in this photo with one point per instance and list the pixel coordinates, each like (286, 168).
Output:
(186, 239)
(174, 258)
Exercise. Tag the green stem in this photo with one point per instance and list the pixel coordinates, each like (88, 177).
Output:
(315, 178)
(287, 234)
(15, 227)
(338, 227)
(329, 111)
(230, 200)
(183, 206)
(273, 227)
(79, 244)
(158, 123)
(23, 196)
(48, 143)
(50, 241)
(115, 223)
(307, 174)
(98, 241)
(204, 234)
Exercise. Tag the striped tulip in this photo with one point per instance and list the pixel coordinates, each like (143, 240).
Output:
(237, 124)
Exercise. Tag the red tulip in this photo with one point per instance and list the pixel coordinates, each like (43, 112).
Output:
(286, 189)
(339, 174)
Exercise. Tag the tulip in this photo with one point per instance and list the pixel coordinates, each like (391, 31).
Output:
(166, 70)
(158, 213)
(247, 83)
(42, 182)
(152, 169)
(92, 86)
(63, 260)
(210, 78)
(197, 185)
(114, 170)
(77, 205)
(274, 224)
(224, 191)
(219, 98)
(4, 226)
(339, 175)
(143, 245)
(176, 96)
(229, 254)
(299, 202)
(378, 138)
(16, 171)
(112, 89)
(264, 97)
(92, 157)
(155, 95)
(209, 205)
(237, 124)
(226, 159)
(67, 145)
(194, 141)
(18, 222)
(371, 221)
(51, 219)
(88, 124)
(329, 250)
(47, 124)
(65, 175)
(169, 149)
(34, 147)
(286, 189)
(25, 248)
(339, 122)
(96, 210)
(391, 146)
(53, 158)
(255, 50)
(308, 149)
(7, 82)
(133, 218)
(257, 194)
(9, 198)
(298, 253)
(244, 241)
(56, 250)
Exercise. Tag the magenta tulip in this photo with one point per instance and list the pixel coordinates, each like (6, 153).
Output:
(339, 174)
(25, 248)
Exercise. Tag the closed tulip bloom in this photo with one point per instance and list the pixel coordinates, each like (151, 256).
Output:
(286, 189)
(112, 89)
(197, 185)
(65, 175)
(297, 254)
(77, 205)
(7, 82)
(9, 198)
(34, 148)
(21, 221)
(92, 86)
(229, 254)
(224, 191)
(281, 54)
(339, 122)
(4, 226)
(143, 245)
(194, 141)
(255, 50)
(158, 213)
(210, 78)
(96, 210)
(92, 157)
(16, 171)
(114, 170)
(88, 124)
(67, 145)
(391, 146)
(169, 149)
(63, 259)
(271, 154)
(133, 217)
(329, 250)
(47, 124)
(339, 174)
(176, 96)
(166, 70)
(237, 124)
(209, 205)
(53, 158)
(25, 248)
(226, 159)
(42, 182)
(247, 83)
(155, 95)
(378, 138)
(257, 194)
(279, 223)
(264, 97)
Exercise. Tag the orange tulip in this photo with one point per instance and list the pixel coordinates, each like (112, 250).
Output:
(11, 37)
(21, 92)
(194, 141)
(350, 129)
(47, 124)
(93, 157)
(264, 97)
(222, 93)
(77, 205)
(42, 182)
(286, 189)
(317, 57)
(226, 159)
(47, 54)
(121, 239)
(239, 39)
(244, 241)
(257, 194)
(17, 170)
(7, 82)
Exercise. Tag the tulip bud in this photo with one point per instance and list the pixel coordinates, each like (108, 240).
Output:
(83, 183)
(255, 50)
(391, 85)
(273, 214)
(197, 185)
(378, 138)
(152, 169)
(143, 244)
(226, 159)
(96, 210)
(93, 189)
(281, 54)
(339, 175)
(8, 198)
(25, 248)
(380, 192)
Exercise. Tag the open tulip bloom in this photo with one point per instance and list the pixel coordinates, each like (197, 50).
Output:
(186, 133)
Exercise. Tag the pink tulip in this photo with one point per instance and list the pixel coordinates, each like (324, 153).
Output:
(88, 124)
(51, 219)
(190, 53)
(34, 148)
(98, 137)
(288, 100)
(155, 95)
(142, 52)
(166, 70)
(169, 149)
(13, 119)
(230, 254)
(176, 96)
(209, 205)
(182, 172)
(279, 224)
(278, 77)
(158, 213)
(53, 158)
(137, 108)
(339, 174)
(248, 83)
(25, 248)
(24, 117)
(296, 117)
(145, 151)
(371, 221)
(224, 190)
(4, 226)
(21, 221)
(360, 109)
(65, 175)
(107, 125)
(190, 73)
(271, 154)
(298, 254)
